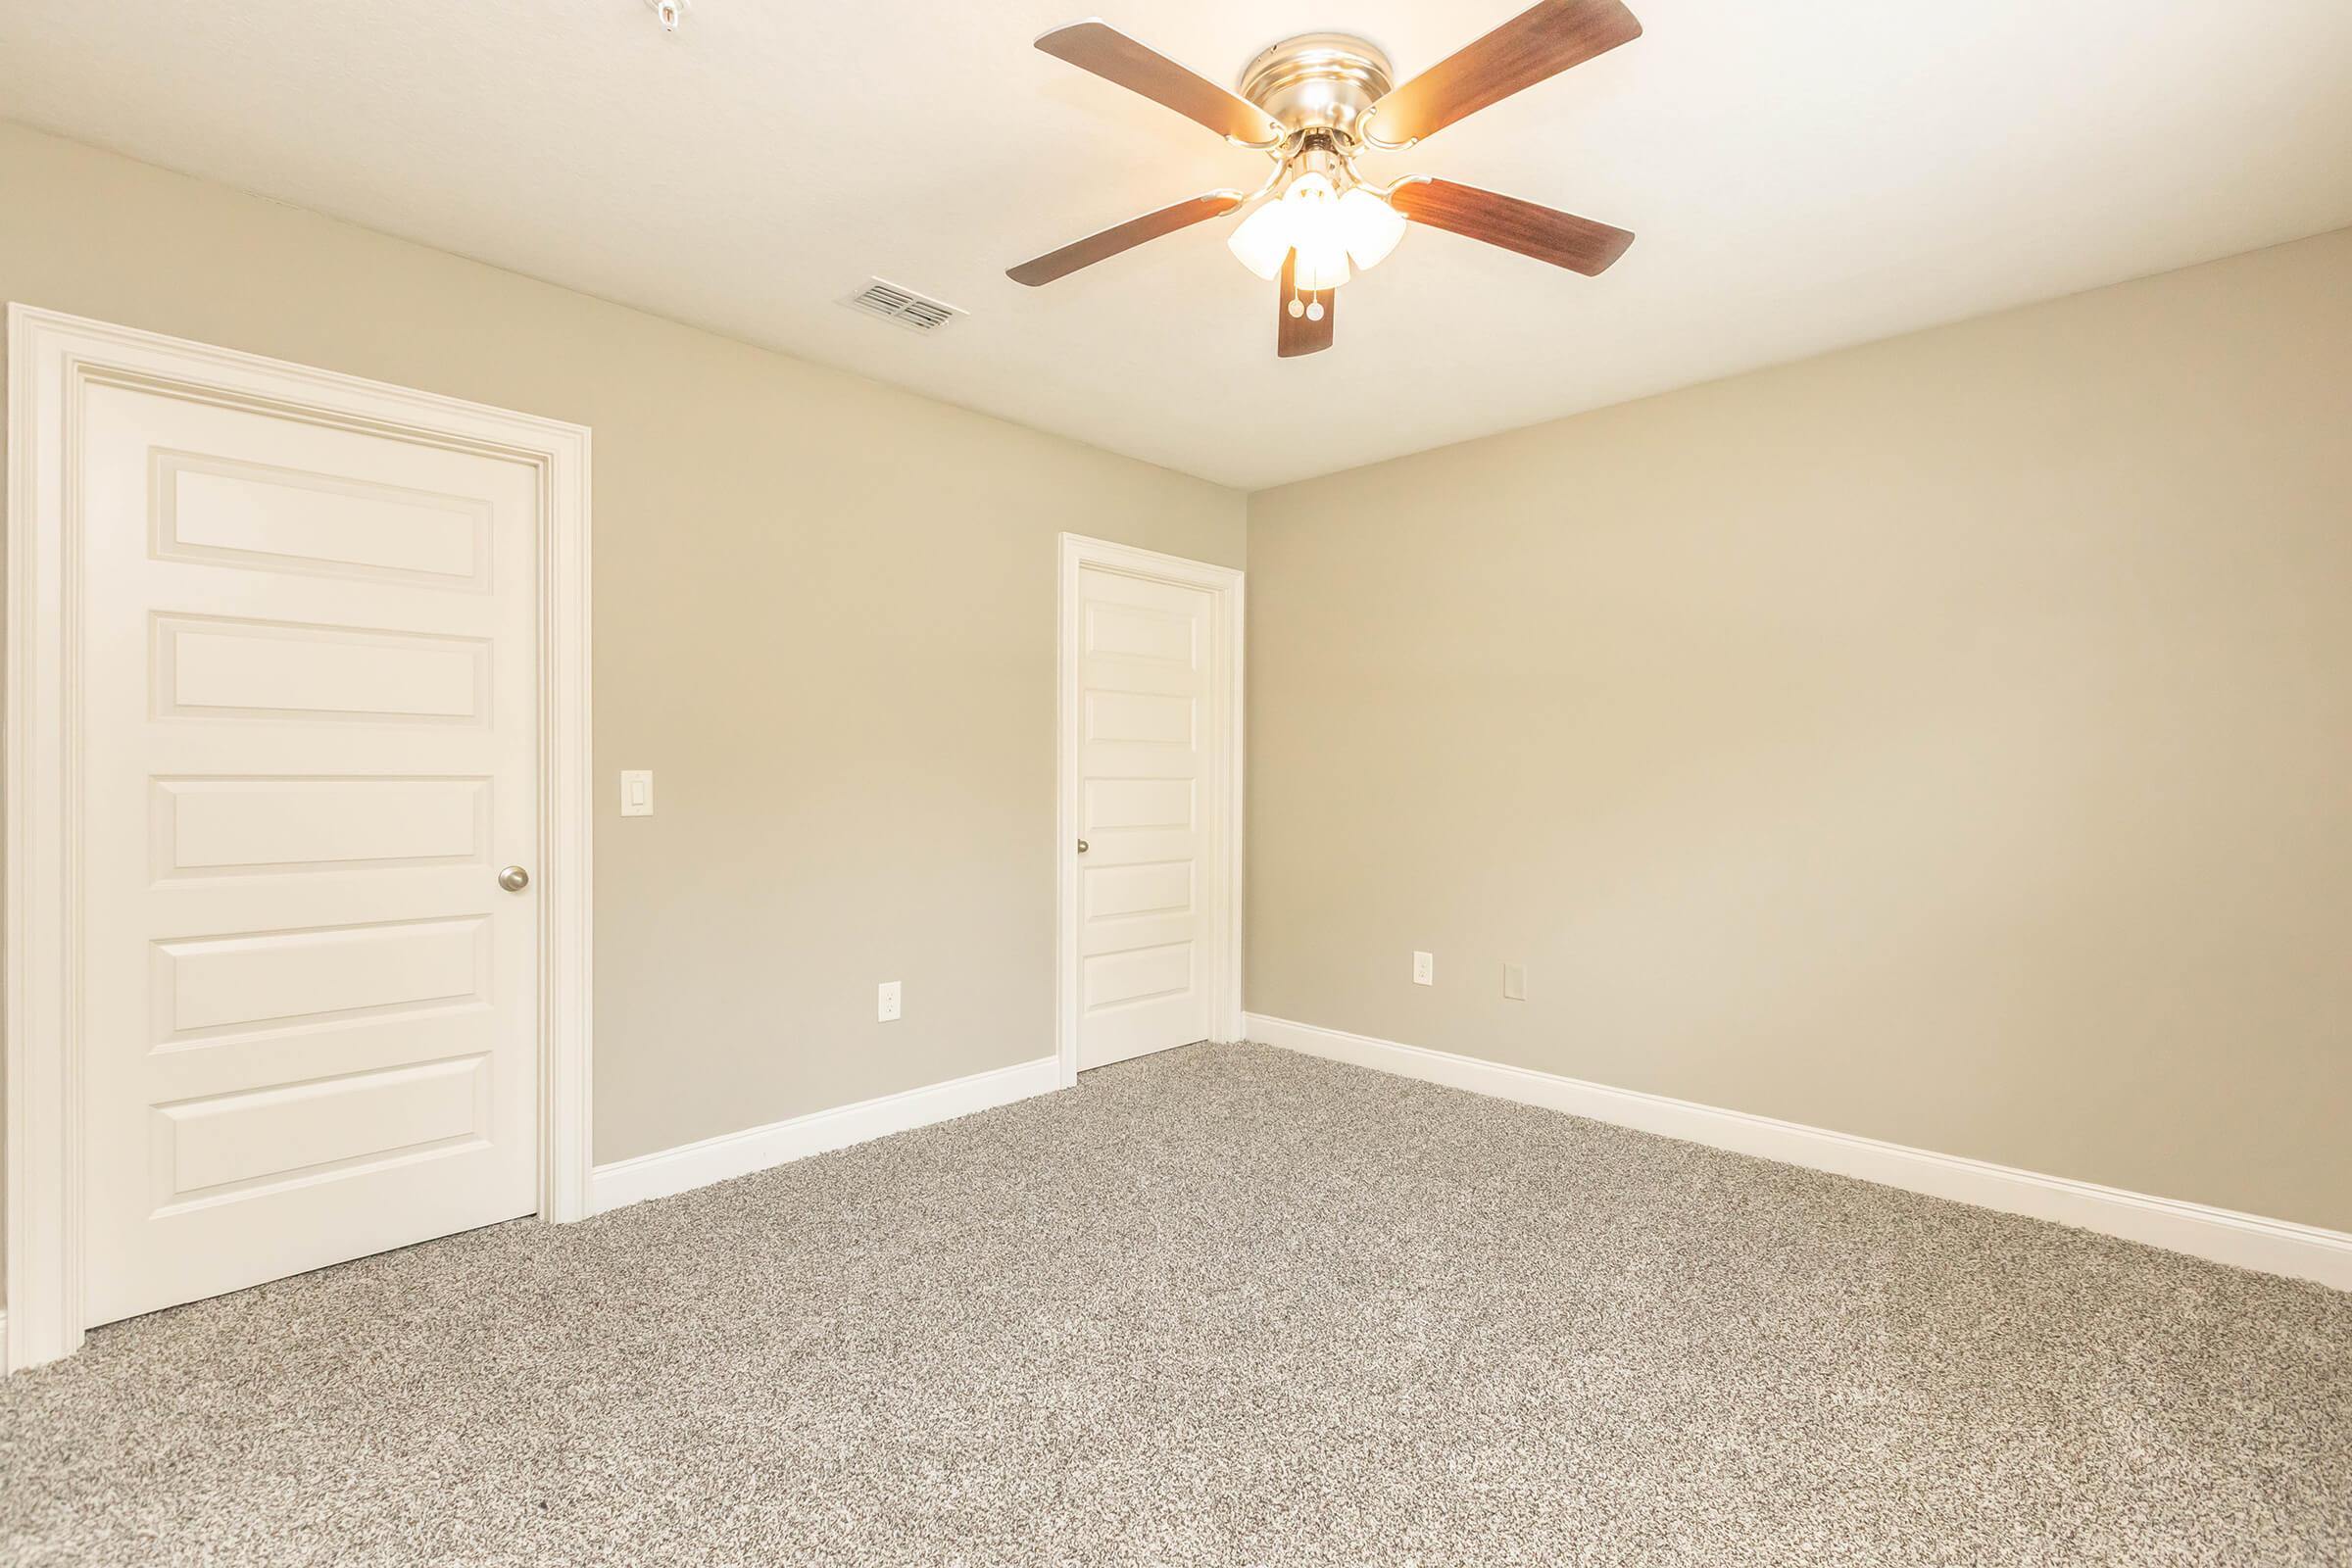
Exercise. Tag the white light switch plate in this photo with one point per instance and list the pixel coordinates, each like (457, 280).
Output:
(637, 792)
(1425, 969)
(1514, 982)
(886, 1001)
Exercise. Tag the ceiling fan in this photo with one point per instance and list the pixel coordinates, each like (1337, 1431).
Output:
(1314, 104)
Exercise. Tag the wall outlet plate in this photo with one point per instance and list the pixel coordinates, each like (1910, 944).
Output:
(1425, 969)
(1514, 982)
(886, 1002)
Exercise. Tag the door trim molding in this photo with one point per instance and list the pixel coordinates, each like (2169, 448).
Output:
(52, 359)
(1224, 585)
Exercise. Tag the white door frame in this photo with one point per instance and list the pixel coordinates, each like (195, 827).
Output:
(52, 358)
(1224, 585)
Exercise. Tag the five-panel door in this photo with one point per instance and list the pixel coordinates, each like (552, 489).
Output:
(1143, 929)
(310, 678)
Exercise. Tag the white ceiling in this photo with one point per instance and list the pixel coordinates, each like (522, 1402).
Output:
(1801, 175)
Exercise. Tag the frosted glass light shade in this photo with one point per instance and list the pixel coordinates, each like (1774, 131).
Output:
(1321, 266)
(1262, 240)
(1369, 226)
(1323, 227)
(1315, 234)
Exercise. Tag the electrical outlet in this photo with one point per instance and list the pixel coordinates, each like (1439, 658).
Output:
(1425, 969)
(886, 1002)
(1514, 982)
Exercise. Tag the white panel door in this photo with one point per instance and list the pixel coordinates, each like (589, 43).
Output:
(1144, 749)
(310, 709)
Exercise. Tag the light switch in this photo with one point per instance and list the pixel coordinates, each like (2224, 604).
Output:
(637, 792)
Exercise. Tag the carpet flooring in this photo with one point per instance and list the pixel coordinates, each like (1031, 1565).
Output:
(1225, 1305)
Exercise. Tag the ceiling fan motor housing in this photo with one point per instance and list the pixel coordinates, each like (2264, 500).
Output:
(1317, 81)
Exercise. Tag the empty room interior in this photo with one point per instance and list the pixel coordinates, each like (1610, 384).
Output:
(1247, 785)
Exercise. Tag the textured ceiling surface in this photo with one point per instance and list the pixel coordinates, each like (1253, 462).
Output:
(1801, 176)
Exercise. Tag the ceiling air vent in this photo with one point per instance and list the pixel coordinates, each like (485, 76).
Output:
(902, 307)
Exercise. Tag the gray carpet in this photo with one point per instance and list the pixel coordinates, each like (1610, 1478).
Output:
(1225, 1305)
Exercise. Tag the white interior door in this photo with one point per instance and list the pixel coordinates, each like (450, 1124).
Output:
(310, 686)
(1146, 791)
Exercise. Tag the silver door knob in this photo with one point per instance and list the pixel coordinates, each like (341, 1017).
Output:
(1082, 845)
(514, 879)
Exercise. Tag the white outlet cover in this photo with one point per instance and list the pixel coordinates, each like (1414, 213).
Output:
(1425, 969)
(886, 1002)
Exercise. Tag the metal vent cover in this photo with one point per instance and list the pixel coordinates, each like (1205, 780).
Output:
(902, 307)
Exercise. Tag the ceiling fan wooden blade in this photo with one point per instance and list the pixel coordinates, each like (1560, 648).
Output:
(1123, 237)
(1563, 239)
(1540, 42)
(1114, 57)
(1294, 335)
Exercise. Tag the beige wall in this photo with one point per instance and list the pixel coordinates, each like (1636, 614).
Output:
(1948, 741)
(824, 617)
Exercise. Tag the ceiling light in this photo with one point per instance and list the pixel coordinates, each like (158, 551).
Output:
(1369, 226)
(671, 12)
(1326, 231)
(1262, 241)
(1312, 210)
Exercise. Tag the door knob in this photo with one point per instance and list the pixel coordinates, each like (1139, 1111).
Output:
(514, 879)
(1082, 845)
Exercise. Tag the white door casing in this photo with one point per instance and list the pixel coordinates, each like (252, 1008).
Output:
(296, 664)
(1149, 930)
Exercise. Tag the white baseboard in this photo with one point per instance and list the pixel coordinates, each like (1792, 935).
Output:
(2247, 1240)
(732, 1154)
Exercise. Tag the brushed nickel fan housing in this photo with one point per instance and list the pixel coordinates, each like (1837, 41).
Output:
(1317, 81)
